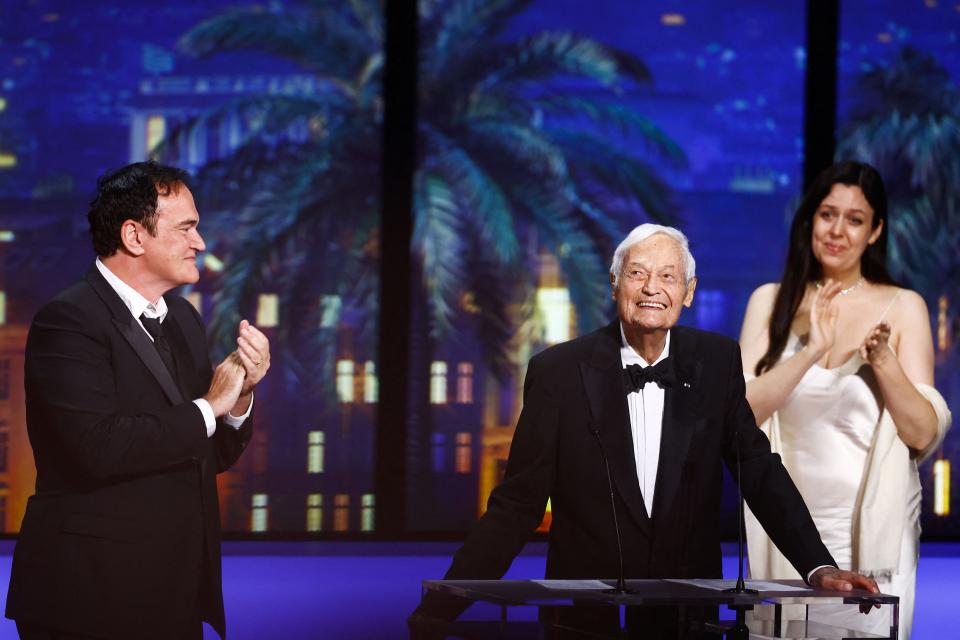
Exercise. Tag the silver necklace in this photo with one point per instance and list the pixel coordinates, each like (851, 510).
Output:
(856, 285)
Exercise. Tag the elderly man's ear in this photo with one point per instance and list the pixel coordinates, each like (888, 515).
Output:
(691, 287)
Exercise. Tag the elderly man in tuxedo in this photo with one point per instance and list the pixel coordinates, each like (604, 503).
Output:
(129, 425)
(665, 406)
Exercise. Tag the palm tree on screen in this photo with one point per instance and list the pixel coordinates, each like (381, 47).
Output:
(905, 121)
(504, 159)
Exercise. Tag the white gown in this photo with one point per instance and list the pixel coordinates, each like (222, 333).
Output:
(826, 429)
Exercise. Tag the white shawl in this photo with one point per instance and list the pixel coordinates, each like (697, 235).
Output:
(891, 477)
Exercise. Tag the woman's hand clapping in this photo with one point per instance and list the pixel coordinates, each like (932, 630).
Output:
(823, 319)
(876, 346)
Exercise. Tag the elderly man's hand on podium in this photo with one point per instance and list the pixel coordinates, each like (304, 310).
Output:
(834, 579)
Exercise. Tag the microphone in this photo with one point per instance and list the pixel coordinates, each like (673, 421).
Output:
(621, 587)
(741, 587)
(739, 630)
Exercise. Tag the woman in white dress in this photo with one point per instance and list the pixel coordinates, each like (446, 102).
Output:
(839, 367)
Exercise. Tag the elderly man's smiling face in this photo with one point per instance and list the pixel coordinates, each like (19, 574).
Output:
(651, 289)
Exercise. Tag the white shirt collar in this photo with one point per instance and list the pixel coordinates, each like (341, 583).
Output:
(136, 303)
(629, 355)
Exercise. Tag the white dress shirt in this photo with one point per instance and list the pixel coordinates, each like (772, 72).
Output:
(646, 420)
(138, 305)
(646, 425)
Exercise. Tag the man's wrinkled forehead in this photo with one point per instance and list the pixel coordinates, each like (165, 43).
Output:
(658, 250)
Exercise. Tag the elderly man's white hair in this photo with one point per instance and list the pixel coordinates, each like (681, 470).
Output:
(641, 233)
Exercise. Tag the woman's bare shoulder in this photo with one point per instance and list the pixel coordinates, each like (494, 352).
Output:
(899, 306)
(763, 298)
(900, 297)
(759, 310)
(765, 293)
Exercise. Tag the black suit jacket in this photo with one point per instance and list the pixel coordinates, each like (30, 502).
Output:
(574, 389)
(122, 538)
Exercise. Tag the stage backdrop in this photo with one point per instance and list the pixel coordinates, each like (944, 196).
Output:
(545, 131)
(899, 109)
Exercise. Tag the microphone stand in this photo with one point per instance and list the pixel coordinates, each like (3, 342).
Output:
(621, 587)
(739, 630)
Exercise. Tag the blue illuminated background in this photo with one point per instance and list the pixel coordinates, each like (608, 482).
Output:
(277, 110)
(698, 123)
(707, 135)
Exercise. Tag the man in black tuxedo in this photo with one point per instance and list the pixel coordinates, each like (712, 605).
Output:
(666, 406)
(129, 426)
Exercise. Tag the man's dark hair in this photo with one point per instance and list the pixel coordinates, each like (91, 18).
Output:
(129, 193)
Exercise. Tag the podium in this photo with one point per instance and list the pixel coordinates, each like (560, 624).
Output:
(685, 597)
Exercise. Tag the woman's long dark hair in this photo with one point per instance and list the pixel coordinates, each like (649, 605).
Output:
(802, 267)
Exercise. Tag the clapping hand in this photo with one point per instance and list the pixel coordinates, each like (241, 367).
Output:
(823, 318)
(225, 386)
(876, 346)
(253, 352)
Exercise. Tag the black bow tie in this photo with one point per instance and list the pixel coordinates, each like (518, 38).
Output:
(636, 377)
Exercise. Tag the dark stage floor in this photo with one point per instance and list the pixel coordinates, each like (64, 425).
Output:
(361, 591)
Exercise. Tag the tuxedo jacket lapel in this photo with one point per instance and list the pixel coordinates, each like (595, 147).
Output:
(680, 418)
(603, 382)
(189, 383)
(181, 353)
(134, 334)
